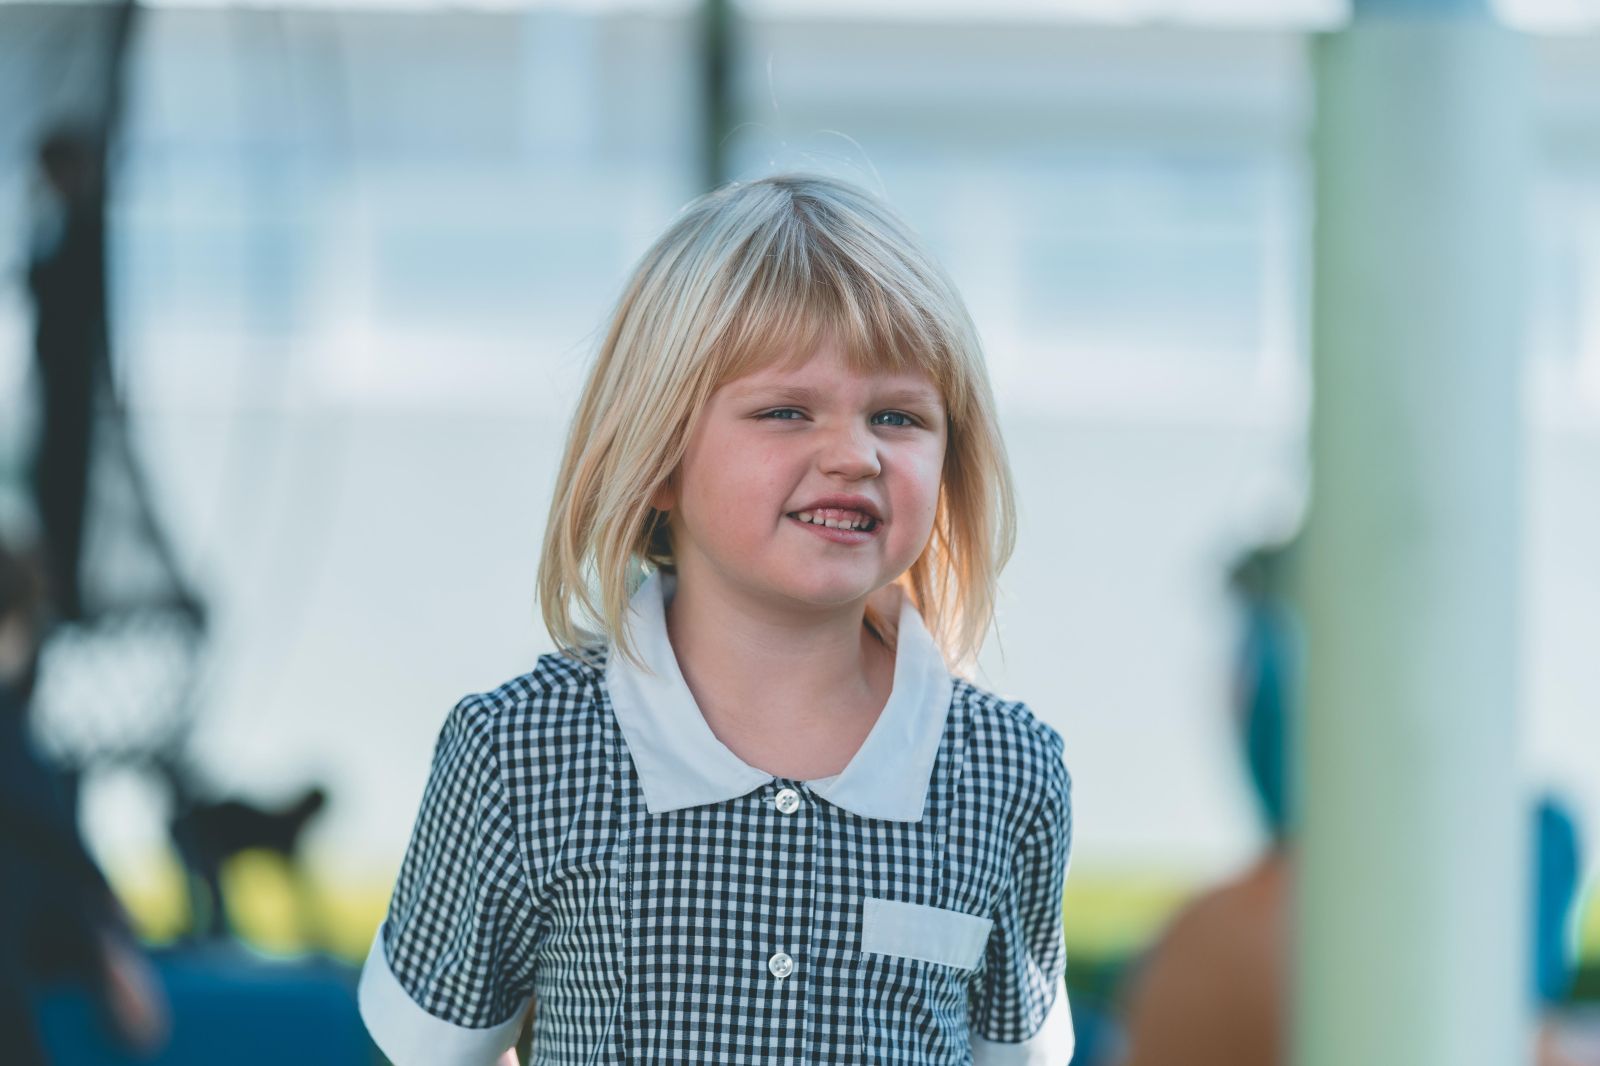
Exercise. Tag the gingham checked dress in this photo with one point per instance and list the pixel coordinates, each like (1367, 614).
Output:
(586, 842)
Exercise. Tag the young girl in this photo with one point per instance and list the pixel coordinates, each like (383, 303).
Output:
(748, 815)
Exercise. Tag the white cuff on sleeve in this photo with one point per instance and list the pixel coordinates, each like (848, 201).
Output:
(408, 1034)
(1051, 1046)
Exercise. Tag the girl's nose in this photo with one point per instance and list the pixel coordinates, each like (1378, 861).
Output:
(851, 452)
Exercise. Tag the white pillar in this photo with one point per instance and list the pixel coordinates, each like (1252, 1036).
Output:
(1411, 918)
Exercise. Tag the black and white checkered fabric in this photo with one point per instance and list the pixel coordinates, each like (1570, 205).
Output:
(774, 926)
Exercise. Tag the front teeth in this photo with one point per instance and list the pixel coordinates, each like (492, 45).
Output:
(833, 523)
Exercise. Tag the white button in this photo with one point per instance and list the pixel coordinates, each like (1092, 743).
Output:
(781, 965)
(787, 800)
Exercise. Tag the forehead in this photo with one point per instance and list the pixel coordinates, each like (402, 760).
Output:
(827, 370)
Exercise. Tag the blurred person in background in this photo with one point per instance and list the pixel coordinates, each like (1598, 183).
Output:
(67, 279)
(1214, 990)
(59, 921)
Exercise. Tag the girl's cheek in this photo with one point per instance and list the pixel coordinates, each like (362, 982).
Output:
(929, 466)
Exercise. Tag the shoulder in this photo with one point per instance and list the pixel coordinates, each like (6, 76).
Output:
(1008, 728)
(556, 699)
(544, 744)
(1012, 748)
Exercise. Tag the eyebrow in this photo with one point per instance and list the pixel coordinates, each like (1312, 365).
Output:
(902, 394)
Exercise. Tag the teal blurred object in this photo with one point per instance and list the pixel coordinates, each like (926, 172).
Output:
(1270, 652)
(225, 1007)
(1267, 679)
(1558, 864)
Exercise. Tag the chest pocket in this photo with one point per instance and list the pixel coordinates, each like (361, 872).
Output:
(929, 934)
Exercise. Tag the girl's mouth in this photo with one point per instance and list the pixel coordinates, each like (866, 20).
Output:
(841, 527)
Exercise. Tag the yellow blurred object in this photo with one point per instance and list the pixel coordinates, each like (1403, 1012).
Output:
(271, 909)
(277, 910)
(350, 916)
(1109, 915)
(266, 907)
(1589, 928)
(153, 895)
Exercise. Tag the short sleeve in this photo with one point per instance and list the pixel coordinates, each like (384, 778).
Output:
(1018, 1009)
(450, 972)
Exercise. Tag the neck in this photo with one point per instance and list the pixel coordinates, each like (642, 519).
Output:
(756, 668)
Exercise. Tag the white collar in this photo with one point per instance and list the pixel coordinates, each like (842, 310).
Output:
(681, 763)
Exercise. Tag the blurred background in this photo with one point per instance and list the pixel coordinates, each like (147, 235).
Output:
(295, 301)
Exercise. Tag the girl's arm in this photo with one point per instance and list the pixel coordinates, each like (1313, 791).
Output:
(1019, 1012)
(437, 987)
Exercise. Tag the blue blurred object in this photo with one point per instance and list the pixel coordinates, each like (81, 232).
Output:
(228, 1007)
(1269, 672)
(1557, 865)
(1096, 1036)
(1267, 679)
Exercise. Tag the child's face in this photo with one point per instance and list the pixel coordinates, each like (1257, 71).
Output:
(775, 442)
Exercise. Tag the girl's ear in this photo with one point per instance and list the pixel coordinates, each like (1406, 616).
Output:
(664, 497)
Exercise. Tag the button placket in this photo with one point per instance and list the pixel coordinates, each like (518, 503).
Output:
(787, 812)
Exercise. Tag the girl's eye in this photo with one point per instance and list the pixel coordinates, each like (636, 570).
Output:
(781, 414)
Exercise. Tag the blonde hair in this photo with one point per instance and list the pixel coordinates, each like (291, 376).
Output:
(750, 275)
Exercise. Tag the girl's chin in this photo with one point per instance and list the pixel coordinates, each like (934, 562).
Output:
(837, 593)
